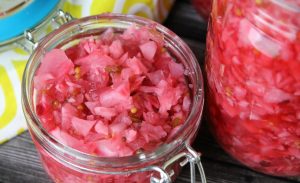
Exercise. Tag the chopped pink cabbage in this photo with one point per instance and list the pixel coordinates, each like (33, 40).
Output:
(81, 126)
(54, 66)
(254, 84)
(148, 49)
(114, 95)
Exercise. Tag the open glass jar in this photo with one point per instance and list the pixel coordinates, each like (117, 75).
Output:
(65, 164)
(253, 63)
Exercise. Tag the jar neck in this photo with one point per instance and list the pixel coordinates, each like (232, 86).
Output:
(277, 18)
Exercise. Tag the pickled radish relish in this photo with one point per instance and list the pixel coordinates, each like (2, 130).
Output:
(253, 72)
(114, 95)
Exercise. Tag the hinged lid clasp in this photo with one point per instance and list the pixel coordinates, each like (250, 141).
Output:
(190, 156)
(31, 42)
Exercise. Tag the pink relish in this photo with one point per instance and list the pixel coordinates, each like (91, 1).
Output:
(113, 95)
(203, 7)
(253, 72)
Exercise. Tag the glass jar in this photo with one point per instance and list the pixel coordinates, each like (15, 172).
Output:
(65, 164)
(253, 64)
(203, 7)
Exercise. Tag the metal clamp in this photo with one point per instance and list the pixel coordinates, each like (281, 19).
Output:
(30, 39)
(191, 156)
(62, 17)
(31, 43)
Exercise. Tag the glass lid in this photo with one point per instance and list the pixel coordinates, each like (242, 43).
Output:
(16, 16)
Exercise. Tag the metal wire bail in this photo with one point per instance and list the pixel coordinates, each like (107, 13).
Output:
(62, 17)
(30, 43)
(31, 40)
(190, 156)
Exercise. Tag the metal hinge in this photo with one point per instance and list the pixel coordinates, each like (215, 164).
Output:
(190, 156)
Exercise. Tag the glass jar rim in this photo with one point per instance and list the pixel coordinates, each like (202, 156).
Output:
(115, 162)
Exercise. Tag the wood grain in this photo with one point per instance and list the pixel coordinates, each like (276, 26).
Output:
(19, 162)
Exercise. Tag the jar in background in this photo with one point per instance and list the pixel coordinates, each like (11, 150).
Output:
(253, 64)
(64, 164)
(203, 7)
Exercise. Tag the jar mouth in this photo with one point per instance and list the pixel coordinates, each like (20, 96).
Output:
(89, 25)
(276, 18)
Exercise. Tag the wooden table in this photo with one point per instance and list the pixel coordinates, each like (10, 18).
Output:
(19, 162)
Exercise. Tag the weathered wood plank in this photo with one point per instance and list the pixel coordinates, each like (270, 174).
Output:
(19, 162)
